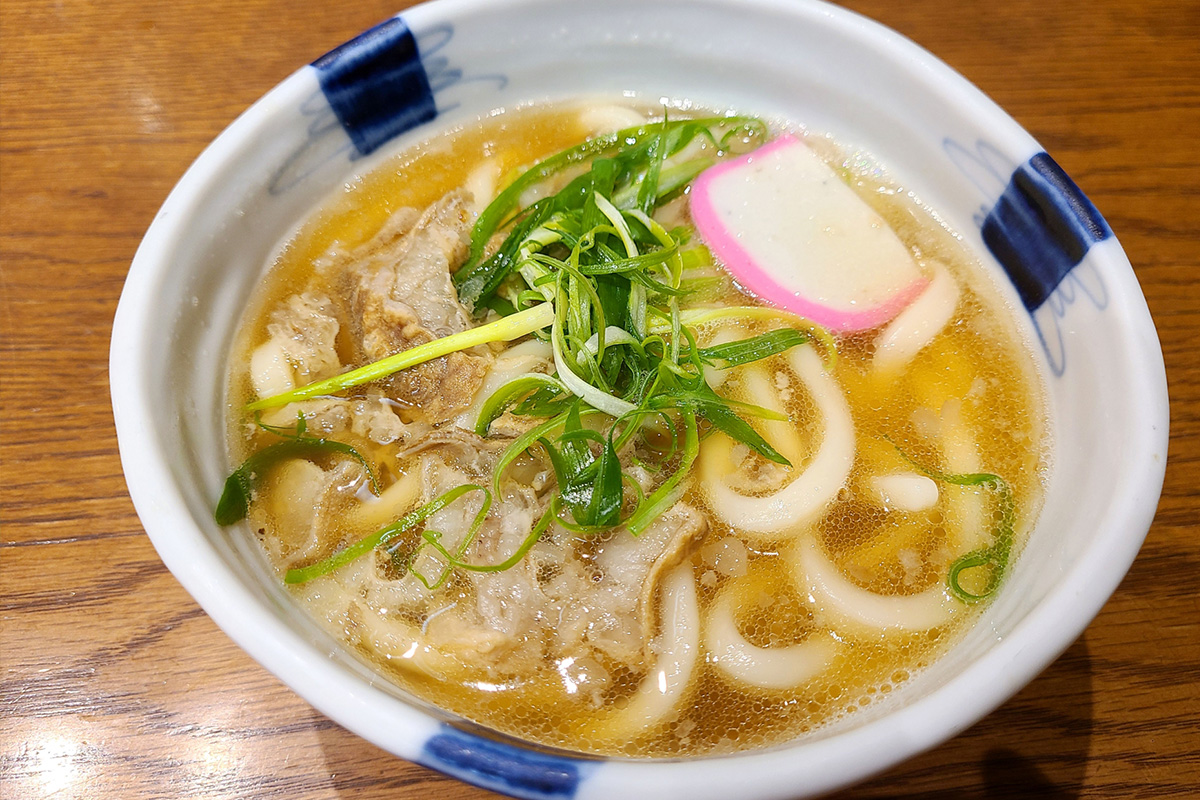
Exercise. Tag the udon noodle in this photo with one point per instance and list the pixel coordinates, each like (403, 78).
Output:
(761, 597)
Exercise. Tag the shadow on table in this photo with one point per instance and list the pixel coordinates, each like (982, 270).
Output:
(1034, 746)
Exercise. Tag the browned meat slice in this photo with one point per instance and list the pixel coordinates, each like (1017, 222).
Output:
(473, 454)
(577, 606)
(403, 297)
(613, 611)
(588, 605)
(499, 629)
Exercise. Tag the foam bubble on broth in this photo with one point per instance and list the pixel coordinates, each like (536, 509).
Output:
(974, 376)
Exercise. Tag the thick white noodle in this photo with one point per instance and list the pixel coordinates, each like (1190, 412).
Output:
(481, 184)
(392, 503)
(610, 118)
(915, 326)
(905, 491)
(807, 495)
(759, 388)
(964, 503)
(270, 371)
(712, 376)
(761, 667)
(403, 645)
(338, 600)
(664, 687)
(852, 609)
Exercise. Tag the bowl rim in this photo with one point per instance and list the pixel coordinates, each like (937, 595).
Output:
(985, 683)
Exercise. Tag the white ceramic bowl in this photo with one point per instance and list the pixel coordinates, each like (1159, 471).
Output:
(831, 70)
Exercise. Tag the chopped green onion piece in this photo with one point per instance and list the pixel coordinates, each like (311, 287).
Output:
(385, 535)
(510, 394)
(504, 329)
(736, 354)
(702, 316)
(589, 485)
(995, 556)
(535, 533)
(669, 492)
(717, 410)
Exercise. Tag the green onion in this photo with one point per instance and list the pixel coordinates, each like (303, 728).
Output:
(492, 217)
(535, 533)
(735, 354)
(510, 394)
(993, 557)
(590, 485)
(385, 535)
(504, 329)
(706, 403)
(668, 493)
(234, 503)
(703, 316)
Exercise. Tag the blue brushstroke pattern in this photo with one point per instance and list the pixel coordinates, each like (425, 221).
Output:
(1041, 228)
(377, 85)
(503, 767)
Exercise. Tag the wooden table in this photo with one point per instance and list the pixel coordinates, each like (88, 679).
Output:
(116, 685)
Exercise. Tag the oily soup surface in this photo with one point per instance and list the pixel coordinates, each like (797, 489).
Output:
(967, 402)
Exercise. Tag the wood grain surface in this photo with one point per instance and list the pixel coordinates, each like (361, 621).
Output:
(114, 684)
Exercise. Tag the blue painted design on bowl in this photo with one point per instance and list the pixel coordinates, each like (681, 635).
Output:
(1083, 283)
(377, 85)
(1041, 228)
(444, 75)
(503, 767)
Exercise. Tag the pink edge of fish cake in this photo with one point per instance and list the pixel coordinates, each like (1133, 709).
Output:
(747, 271)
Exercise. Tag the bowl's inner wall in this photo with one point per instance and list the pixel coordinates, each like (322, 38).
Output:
(281, 163)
